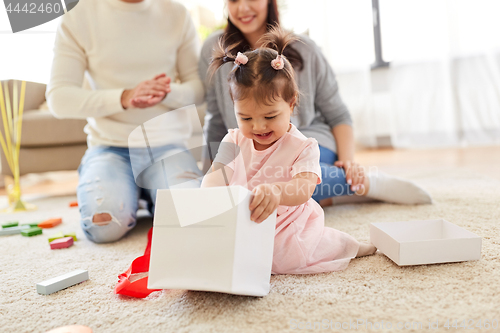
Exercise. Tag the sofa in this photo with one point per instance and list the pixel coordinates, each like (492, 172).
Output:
(47, 143)
(51, 144)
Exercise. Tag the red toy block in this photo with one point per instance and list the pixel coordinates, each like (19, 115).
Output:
(73, 204)
(50, 223)
(61, 243)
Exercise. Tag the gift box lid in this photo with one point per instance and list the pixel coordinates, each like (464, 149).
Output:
(425, 242)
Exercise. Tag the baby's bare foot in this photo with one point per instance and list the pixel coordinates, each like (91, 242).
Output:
(366, 250)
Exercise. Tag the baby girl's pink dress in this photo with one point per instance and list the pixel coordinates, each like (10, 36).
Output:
(302, 243)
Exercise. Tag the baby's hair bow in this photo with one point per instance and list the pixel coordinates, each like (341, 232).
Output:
(278, 63)
(241, 59)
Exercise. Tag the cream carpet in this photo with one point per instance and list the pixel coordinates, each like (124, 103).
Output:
(372, 289)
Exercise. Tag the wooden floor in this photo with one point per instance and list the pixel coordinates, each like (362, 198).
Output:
(484, 160)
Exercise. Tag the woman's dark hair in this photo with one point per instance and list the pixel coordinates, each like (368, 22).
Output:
(233, 36)
(258, 78)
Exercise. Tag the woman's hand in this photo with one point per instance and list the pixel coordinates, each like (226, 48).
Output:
(266, 198)
(147, 93)
(354, 174)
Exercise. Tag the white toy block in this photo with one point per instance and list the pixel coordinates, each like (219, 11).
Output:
(13, 230)
(203, 239)
(61, 282)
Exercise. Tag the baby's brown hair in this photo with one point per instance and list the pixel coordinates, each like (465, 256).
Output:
(258, 78)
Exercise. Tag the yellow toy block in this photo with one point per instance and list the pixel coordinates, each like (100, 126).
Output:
(56, 236)
(71, 234)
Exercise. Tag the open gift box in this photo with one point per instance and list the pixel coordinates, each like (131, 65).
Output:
(203, 239)
(425, 242)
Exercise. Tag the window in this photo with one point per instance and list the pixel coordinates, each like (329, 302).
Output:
(26, 55)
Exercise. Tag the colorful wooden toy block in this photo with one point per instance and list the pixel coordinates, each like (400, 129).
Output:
(10, 224)
(50, 223)
(71, 234)
(13, 230)
(73, 204)
(28, 232)
(56, 236)
(61, 243)
(61, 282)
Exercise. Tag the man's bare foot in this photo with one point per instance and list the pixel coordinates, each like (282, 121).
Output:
(366, 250)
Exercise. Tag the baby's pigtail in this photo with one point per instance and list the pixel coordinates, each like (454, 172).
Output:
(277, 39)
(280, 40)
(220, 56)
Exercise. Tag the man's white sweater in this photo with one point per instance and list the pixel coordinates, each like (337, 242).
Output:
(117, 45)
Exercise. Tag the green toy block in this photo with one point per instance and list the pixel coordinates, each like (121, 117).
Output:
(32, 224)
(32, 232)
(57, 236)
(10, 224)
(71, 234)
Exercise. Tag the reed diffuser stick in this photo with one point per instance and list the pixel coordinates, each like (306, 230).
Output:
(14, 110)
(9, 117)
(19, 124)
(5, 142)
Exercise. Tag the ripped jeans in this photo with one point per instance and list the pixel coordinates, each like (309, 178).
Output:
(112, 180)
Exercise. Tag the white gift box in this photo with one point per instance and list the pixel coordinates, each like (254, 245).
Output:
(203, 239)
(425, 242)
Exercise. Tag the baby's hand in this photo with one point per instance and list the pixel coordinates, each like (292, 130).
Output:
(266, 198)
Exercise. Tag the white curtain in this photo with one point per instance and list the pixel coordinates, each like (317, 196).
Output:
(443, 84)
(26, 55)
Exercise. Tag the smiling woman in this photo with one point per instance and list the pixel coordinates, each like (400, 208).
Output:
(250, 16)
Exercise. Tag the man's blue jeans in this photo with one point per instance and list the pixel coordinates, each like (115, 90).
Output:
(107, 184)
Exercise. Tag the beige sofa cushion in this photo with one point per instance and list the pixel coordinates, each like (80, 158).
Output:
(34, 160)
(40, 128)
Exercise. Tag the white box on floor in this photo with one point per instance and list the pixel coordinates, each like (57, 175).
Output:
(425, 242)
(203, 239)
